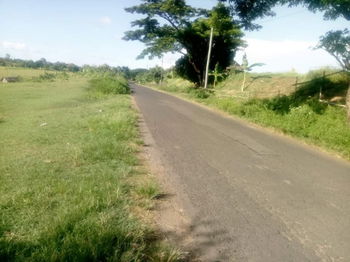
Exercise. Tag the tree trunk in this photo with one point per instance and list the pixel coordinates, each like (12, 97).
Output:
(199, 73)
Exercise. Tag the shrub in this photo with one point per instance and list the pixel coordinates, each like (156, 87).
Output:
(45, 77)
(280, 105)
(200, 93)
(110, 85)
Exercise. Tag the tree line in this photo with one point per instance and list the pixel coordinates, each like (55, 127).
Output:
(66, 67)
(41, 63)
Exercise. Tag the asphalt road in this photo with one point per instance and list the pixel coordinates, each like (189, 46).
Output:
(251, 195)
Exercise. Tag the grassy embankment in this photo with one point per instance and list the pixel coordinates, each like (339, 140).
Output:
(72, 187)
(271, 100)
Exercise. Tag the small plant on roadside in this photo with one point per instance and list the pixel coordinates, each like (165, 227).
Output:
(217, 74)
(200, 93)
(149, 190)
(245, 68)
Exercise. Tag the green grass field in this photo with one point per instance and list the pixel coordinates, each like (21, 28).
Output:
(34, 75)
(24, 73)
(72, 187)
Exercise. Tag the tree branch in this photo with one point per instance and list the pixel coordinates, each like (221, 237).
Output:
(167, 18)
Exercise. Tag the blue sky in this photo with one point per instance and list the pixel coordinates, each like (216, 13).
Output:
(90, 32)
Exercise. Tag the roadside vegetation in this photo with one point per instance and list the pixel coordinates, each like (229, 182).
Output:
(314, 112)
(72, 186)
(209, 39)
(109, 84)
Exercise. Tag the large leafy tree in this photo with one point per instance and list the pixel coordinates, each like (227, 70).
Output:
(246, 11)
(337, 43)
(332, 8)
(174, 26)
(249, 10)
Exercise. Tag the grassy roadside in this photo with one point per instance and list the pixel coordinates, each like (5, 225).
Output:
(71, 184)
(300, 115)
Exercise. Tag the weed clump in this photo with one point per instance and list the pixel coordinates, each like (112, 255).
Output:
(200, 93)
(110, 85)
(149, 191)
(49, 77)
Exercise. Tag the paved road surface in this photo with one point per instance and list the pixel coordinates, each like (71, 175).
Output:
(251, 195)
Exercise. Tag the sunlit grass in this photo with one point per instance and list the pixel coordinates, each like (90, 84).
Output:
(67, 162)
(26, 74)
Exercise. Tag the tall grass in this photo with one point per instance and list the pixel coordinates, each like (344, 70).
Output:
(36, 75)
(110, 84)
(67, 166)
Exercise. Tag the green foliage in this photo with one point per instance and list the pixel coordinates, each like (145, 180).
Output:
(105, 70)
(332, 9)
(337, 43)
(280, 105)
(47, 77)
(149, 191)
(50, 76)
(175, 85)
(174, 26)
(244, 68)
(137, 73)
(34, 75)
(39, 64)
(156, 74)
(217, 75)
(110, 85)
(165, 19)
(200, 93)
(247, 11)
(57, 67)
(153, 75)
(185, 69)
(226, 40)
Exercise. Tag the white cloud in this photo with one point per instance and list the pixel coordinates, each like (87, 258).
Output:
(13, 45)
(105, 20)
(285, 55)
(265, 48)
(168, 60)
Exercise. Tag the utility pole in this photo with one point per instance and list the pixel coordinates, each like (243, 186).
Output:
(208, 59)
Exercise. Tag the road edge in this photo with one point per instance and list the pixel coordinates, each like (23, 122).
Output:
(170, 218)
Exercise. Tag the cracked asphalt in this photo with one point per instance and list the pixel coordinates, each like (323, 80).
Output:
(250, 194)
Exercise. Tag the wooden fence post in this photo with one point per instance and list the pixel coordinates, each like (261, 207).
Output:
(296, 88)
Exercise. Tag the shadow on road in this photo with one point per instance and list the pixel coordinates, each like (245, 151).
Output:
(201, 240)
